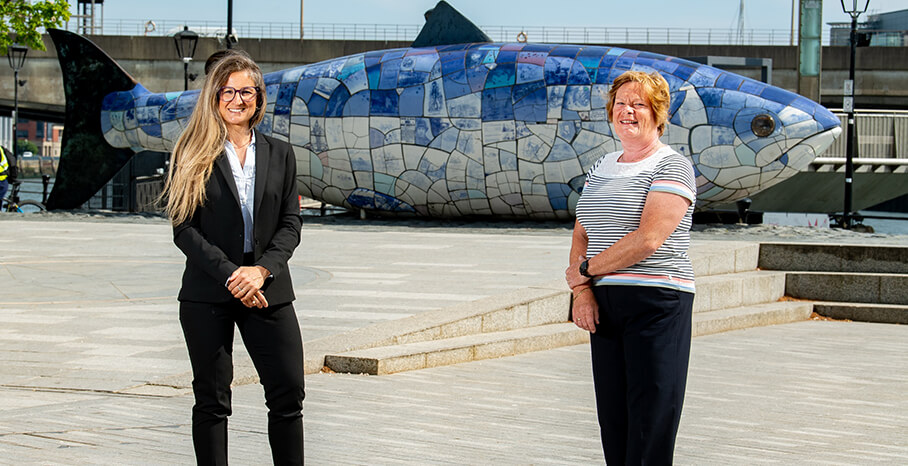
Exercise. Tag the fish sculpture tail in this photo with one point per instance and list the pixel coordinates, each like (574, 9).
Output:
(87, 161)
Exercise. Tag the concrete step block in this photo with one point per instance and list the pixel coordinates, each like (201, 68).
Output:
(716, 292)
(834, 258)
(862, 312)
(875, 288)
(421, 355)
(780, 312)
(723, 257)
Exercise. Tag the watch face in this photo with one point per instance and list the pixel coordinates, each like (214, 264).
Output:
(583, 268)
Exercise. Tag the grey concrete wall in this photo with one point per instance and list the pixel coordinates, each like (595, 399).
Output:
(153, 62)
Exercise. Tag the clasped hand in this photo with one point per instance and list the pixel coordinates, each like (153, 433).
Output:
(245, 284)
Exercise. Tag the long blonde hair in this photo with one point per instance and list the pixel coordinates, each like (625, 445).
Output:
(203, 139)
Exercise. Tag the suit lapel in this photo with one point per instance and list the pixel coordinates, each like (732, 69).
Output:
(262, 164)
(222, 164)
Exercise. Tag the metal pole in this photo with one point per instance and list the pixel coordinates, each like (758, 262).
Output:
(15, 107)
(229, 22)
(185, 74)
(849, 144)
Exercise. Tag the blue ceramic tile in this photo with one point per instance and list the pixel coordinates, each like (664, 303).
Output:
(152, 130)
(577, 98)
(565, 51)
(317, 105)
(412, 78)
(729, 81)
(456, 87)
(305, 88)
(778, 95)
(578, 74)
(752, 87)
(117, 101)
(804, 104)
(519, 91)
(711, 97)
(391, 55)
(146, 116)
(388, 78)
(452, 62)
(507, 56)
(354, 64)
(272, 78)
(476, 77)
(337, 102)
(720, 115)
(527, 72)
(496, 104)
(374, 73)
(169, 111)
(358, 104)
(558, 195)
(473, 58)
(503, 75)
(384, 103)
(285, 94)
(684, 72)
(411, 101)
(557, 70)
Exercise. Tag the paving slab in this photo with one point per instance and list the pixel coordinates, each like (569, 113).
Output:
(91, 347)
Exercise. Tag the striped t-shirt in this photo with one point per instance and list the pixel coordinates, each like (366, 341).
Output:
(611, 205)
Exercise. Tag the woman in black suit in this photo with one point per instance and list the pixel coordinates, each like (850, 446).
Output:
(232, 198)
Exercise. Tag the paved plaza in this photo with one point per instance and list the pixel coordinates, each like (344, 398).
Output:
(88, 314)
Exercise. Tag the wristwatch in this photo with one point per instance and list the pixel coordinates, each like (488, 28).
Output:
(584, 266)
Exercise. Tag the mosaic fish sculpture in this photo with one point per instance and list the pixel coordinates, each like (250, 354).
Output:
(488, 129)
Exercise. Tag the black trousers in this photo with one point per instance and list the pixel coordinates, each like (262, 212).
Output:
(640, 355)
(272, 338)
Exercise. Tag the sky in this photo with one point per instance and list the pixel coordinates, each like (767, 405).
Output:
(717, 14)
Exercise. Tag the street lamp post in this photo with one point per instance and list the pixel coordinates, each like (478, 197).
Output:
(16, 54)
(186, 42)
(848, 105)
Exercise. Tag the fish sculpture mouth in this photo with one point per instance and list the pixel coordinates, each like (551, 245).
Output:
(803, 153)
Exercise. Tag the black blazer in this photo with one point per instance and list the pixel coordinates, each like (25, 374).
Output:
(212, 239)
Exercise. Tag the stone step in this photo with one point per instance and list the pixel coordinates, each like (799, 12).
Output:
(723, 257)
(877, 288)
(425, 354)
(862, 312)
(727, 291)
(758, 315)
(833, 258)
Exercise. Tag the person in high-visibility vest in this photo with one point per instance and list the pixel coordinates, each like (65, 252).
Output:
(7, 170)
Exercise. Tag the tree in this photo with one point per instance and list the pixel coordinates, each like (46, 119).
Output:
(20, 21)
(24, 145)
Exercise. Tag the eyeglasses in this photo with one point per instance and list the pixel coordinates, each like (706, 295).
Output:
(246, 94)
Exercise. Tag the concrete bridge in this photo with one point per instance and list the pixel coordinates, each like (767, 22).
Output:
(153, 61)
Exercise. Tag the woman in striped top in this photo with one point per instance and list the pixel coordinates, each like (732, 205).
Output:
(631, 278)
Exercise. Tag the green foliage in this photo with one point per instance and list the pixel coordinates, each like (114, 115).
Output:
(24, 145)
(23, 22)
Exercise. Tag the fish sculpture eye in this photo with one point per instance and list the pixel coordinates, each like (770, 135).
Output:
(763, 125)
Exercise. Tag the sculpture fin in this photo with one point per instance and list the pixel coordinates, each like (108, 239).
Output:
(446, 26)
(87, 161)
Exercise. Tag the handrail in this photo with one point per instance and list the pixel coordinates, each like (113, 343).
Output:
(408, 32)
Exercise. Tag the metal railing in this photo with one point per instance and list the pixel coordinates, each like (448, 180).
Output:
(408, 32)
(882, 140)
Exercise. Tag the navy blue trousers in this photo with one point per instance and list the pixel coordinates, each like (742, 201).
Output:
(640, 354)
(272, 338)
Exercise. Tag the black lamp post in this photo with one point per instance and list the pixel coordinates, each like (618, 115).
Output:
(185, 42)
(16, 54)
(848, 104)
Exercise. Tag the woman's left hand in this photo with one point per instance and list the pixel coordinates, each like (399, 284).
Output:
(572, 273)
(245, 284)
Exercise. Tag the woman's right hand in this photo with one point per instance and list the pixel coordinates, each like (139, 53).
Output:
(585, 310)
